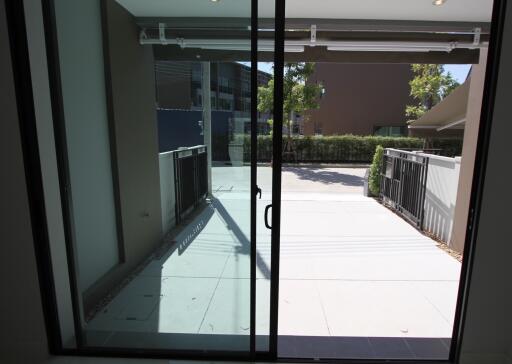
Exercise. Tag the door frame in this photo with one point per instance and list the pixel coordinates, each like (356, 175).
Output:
(254, 179)
(477, 185)
(19, 54)
(277, 146)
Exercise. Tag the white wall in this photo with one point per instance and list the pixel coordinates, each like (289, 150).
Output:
(440, 196)
(441, 193)
(167, 191)
(80, 44)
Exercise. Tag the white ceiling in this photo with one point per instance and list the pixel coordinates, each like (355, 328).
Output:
(452, 10)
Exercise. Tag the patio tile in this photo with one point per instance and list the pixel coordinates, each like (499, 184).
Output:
(262, 308)
(442, 295)
(229, 309)
(359, 264)
(300, 309)
(356, 279)
(183, 305)
(195, 265)
(144, 285)
(239, 266)
(103, 325)
(138, 308)
(380, 309)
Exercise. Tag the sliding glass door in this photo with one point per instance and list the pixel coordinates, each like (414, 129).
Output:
(199, 219)
(368, 250)
(156, 118)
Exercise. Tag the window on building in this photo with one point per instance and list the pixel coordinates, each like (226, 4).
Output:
(394, 131)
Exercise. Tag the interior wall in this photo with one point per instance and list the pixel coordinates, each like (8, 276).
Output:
(80, 45)
(133, 102)
(488, 334)
(488, 327)
(22, 330)
(49, 172)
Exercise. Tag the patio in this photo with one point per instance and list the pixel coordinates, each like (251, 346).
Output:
(349, 267)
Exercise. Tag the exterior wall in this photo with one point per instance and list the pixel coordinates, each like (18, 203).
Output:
(440, 196)
(131, 68)
(472, 125)
(167, 191)
(173, 85)
(179, 85)
(359, 97)
(82, 76)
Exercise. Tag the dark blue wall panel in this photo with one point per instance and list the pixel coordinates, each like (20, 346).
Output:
(180, 128)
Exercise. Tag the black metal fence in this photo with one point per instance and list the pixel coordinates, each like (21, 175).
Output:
(403, 181)
(190, 179)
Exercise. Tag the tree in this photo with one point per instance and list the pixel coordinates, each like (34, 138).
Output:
(429, 86)
(299, 96)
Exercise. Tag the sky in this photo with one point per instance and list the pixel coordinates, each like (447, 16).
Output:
(458, 71)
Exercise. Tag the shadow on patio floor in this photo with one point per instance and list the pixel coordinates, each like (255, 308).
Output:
(325, 176)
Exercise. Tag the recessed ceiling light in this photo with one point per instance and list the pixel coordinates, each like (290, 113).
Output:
(435, 2)
(215, 1)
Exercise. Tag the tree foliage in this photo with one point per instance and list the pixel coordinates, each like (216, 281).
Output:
(374, 177)
(299, 95)
(429, 86)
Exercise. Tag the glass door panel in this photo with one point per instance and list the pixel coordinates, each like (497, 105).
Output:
(370, 263)
(155, 122)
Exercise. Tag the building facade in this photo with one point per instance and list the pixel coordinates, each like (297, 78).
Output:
(179, 97)
(360, 99)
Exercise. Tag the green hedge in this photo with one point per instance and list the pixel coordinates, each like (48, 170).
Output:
(375, 168)
(346, 148)
(336, 149)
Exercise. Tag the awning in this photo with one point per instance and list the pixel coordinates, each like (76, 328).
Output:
(450, 113)
(364, 31)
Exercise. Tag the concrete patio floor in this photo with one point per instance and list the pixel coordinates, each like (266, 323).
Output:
(349, 266)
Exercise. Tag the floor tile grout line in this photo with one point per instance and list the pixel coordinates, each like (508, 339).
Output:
(219, 278)
(450, 324)
(323, 308)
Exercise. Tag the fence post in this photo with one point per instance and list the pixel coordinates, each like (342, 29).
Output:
(423, 190)
(207, 117)
(177, 194)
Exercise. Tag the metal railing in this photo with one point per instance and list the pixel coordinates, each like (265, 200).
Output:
(190, 179)
(403, 181)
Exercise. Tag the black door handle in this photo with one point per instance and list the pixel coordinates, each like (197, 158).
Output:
(266, 216)
(258, 191)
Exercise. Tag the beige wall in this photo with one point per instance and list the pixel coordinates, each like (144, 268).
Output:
(476, 88)
(359, 97)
